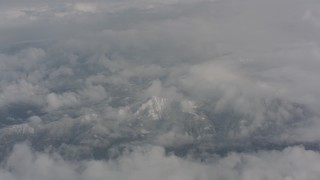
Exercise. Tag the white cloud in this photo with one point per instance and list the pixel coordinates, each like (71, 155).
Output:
(86, 7)
(293, 163)
(67, 99)
(22, 92)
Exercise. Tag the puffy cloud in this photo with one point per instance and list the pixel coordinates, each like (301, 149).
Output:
(145, 163)
(21, 92)
(56, 101)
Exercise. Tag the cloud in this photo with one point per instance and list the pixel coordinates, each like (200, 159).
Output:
(146, 163)
(66, 99)
(86, 7)
(235, 75)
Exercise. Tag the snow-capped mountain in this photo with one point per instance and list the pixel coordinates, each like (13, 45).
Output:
(173, 121)
(19, 129)
(153, 108)
(12, 134)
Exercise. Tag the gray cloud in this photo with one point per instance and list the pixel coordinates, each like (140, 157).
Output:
(97, 79)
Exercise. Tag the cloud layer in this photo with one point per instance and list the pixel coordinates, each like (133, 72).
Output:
(97, 80)
(289, 164)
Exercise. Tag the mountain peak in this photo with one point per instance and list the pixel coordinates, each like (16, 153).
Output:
(21, 129)
(153, 107)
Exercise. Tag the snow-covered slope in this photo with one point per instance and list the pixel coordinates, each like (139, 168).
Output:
(172, 121)
(153, 108)
(19, 129)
